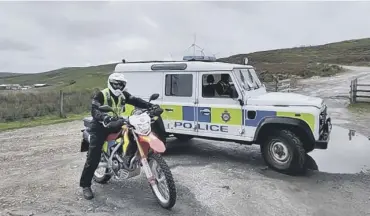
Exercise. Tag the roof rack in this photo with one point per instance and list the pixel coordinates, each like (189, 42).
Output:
(199, 58)
(153, 61)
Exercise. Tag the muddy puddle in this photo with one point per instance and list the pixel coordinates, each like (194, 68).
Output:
(348, 152)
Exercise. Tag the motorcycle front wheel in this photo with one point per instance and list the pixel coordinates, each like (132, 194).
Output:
(164, 189)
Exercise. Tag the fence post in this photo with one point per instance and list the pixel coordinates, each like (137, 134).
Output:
(351, 93)
(276, 83)
(355, 91)
(61, 96)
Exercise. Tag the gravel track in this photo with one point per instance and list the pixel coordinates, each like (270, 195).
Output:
(41, 167)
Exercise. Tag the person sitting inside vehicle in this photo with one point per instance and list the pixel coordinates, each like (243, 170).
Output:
(223, 86)
(209, 90)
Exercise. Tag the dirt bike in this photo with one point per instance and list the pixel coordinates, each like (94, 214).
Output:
(147, 156)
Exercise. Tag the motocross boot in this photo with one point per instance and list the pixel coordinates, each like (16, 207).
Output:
(88, 194)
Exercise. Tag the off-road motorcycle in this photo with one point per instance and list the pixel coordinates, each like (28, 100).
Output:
(137, 129)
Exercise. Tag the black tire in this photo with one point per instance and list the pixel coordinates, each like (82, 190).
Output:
(293, 147)
(170, 182)
(105, 178)
(183, 138)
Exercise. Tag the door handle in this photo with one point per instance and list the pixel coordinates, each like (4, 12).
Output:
(169, 109)
(205, 111)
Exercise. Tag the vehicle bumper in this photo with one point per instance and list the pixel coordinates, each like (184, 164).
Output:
(324, 138)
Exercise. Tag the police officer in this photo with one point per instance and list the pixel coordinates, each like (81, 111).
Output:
(102, 125)
(223, 86)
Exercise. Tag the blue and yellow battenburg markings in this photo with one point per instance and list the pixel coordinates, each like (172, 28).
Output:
(220, 118)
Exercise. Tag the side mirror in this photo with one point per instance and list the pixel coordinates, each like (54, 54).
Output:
(154, 97)
(106, 108)
(241, 102)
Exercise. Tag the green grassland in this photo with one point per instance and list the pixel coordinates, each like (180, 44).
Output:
(42, 105)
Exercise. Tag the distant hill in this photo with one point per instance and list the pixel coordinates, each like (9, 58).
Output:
(300, 61)
(6, 74)
(70, 77)
(303, 60)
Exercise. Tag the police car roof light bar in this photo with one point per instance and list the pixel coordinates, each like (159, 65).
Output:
(185, 59)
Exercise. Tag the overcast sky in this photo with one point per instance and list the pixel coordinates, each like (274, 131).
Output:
(40, 36)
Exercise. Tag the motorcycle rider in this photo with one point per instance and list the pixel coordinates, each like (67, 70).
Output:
(103, 124)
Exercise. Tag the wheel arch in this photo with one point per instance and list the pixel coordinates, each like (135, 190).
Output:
(297, 126)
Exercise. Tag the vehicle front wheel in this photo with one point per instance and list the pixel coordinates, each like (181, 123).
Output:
(284, 152)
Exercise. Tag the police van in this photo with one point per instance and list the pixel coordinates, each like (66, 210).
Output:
(213, 100)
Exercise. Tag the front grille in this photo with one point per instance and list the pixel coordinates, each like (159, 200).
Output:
(322, 117)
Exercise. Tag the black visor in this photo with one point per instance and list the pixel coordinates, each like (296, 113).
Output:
(118, 84)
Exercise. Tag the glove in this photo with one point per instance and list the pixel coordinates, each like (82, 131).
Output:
(154, 106)
(121, 122)
(157, 110)
(116, 123)
(107, 119)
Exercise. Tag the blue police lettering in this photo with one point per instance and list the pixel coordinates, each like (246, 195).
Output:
(214, 127)
(187, 125)
(206, 127)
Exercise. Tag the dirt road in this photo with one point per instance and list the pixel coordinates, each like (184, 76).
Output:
(41, 166)
(335, 91)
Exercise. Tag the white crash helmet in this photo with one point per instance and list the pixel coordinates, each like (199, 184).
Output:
(117, 83)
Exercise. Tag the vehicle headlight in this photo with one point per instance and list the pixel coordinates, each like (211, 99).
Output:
(143, 128)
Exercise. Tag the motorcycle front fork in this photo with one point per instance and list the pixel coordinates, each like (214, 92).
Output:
(144, 163)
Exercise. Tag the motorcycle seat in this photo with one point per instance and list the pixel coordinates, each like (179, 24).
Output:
(87, 121)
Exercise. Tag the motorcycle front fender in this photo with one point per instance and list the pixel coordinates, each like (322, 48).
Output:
(151, 141)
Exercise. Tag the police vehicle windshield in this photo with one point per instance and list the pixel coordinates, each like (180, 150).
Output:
(248, 78)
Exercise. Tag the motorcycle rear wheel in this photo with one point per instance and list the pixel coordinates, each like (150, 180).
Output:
(164, 190)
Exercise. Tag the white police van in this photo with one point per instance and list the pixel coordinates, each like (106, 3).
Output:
(196, 104)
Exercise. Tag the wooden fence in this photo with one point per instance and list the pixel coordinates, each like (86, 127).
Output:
(359, 94)
(280, 85)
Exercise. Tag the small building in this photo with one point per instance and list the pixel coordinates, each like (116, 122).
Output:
(40, 85)
(3, 87)
(14, 87)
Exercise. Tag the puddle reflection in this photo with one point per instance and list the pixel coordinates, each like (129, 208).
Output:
(348, 152)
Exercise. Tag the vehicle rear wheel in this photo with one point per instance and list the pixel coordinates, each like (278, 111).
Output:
(283, 151)
(165, 189)
(101, 175)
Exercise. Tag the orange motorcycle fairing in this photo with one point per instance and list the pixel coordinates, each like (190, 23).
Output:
(151, 141)
(113, 136)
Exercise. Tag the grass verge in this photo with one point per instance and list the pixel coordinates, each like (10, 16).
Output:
(45, 120)
(360, 107)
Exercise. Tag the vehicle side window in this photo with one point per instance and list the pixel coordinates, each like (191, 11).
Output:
(217, 85)
(179, 85)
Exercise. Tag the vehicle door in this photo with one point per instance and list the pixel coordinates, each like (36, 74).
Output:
(218, 115)
(179, 102)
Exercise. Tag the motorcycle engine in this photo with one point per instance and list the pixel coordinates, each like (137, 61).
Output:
(116, 166)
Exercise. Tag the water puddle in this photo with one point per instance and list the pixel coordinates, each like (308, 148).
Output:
(347, 152)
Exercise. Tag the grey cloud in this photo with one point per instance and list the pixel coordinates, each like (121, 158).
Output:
(7, 44)
(79, 33)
